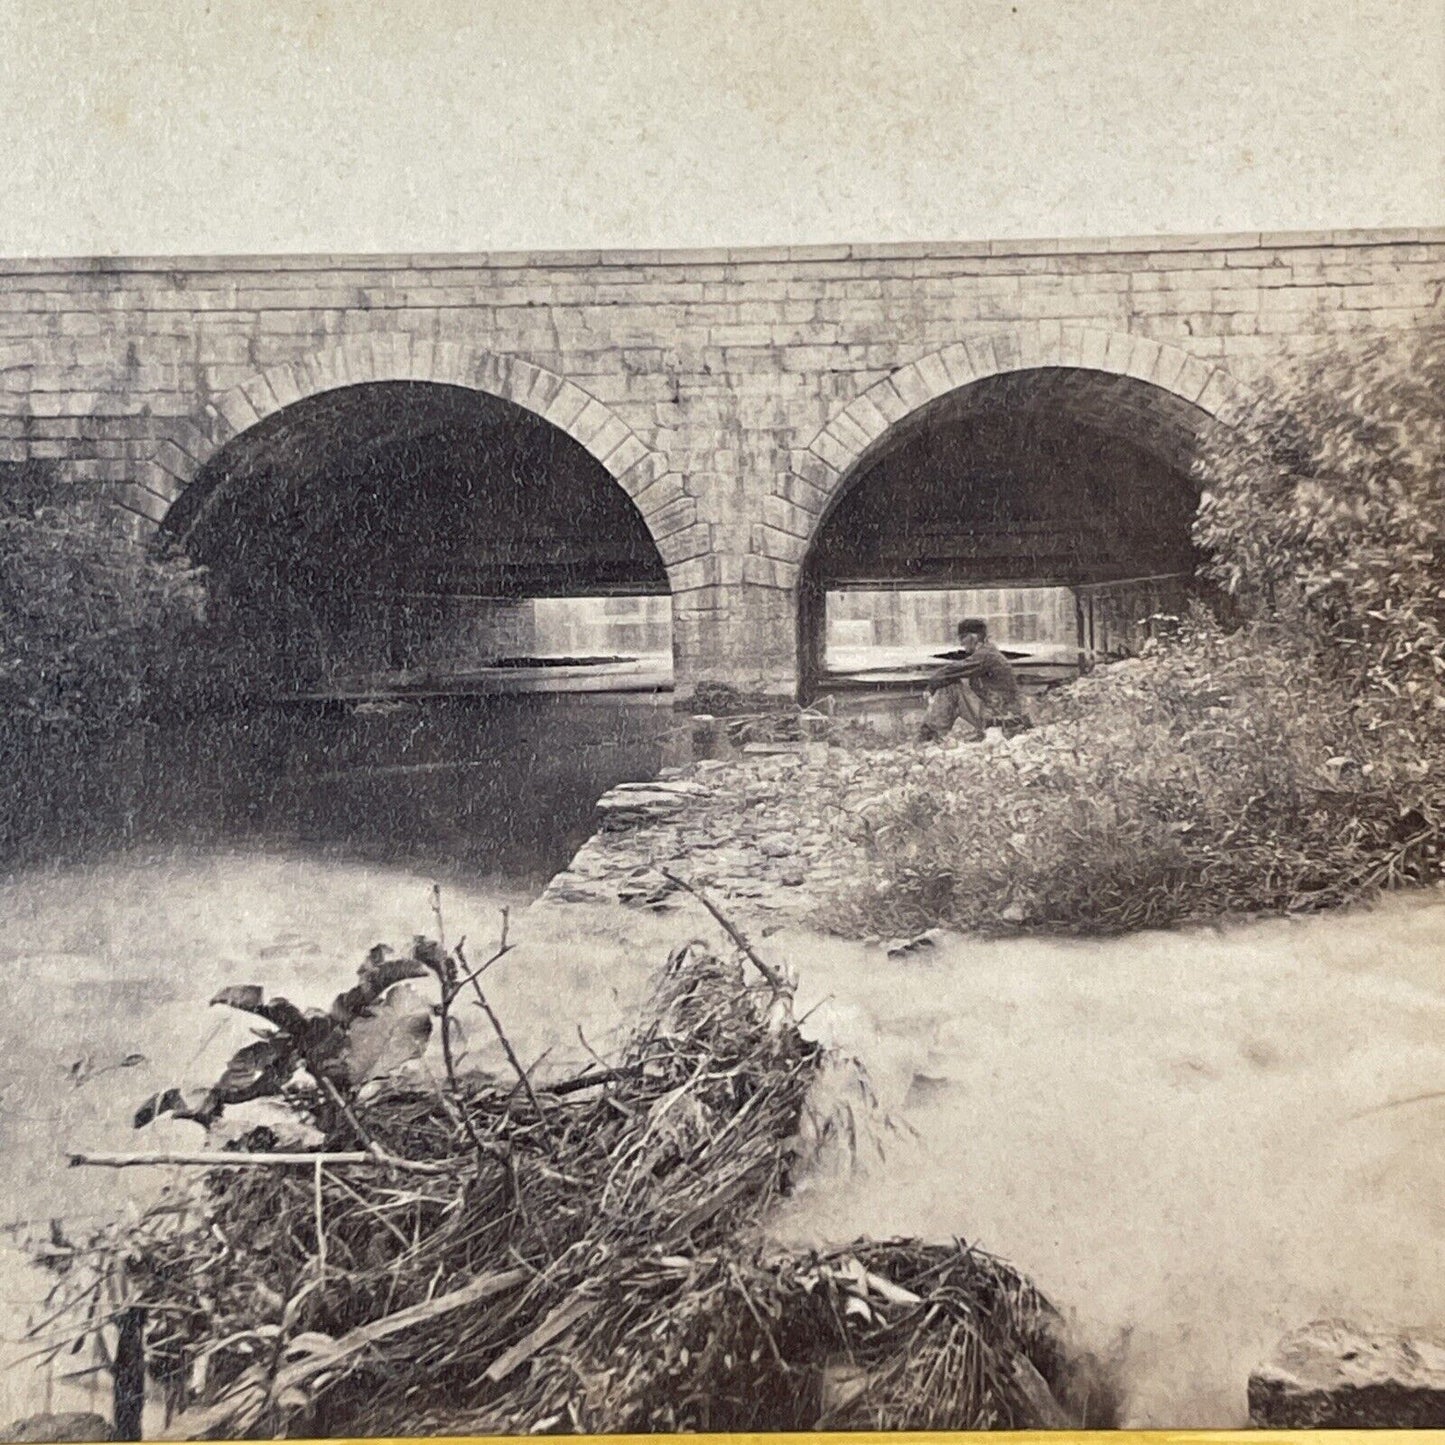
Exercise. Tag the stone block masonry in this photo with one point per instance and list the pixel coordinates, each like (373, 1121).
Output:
(731, 393)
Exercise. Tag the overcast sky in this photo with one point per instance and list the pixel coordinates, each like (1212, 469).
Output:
(152, 126)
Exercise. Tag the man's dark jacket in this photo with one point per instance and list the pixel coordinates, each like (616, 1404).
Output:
(987, 671)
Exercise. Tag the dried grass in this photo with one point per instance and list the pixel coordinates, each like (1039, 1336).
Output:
(596, 1265)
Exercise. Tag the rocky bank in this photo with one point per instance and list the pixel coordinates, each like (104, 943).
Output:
(778, 829)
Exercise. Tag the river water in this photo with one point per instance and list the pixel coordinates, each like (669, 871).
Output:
(498, 788)
(275, 846)
(1184, 1137)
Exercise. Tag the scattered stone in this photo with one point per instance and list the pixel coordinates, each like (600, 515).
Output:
(671, 787)
(556, 892)
(53, 1429)
(766, 828)
(1335, 1375)
(901, 947)
(629, 807)
(647, 894)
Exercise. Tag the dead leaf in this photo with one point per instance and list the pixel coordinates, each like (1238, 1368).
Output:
(172, 1101)
(255, 1071)
(394, 1033)
(374, 977)
(251, 998)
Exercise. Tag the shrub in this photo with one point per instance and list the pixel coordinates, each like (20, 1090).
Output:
(1325, 508)
(1217, 773)
(92, 622)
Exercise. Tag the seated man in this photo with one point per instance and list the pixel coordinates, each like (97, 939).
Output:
(980, 688)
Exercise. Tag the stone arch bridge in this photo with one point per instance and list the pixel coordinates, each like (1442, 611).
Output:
(741, 429)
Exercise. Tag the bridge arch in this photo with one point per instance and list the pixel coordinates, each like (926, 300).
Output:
(642, 472)
(392, 506)
(1008, 463)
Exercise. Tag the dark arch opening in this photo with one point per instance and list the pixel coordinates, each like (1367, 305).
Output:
(403, 527)
(1057, 501)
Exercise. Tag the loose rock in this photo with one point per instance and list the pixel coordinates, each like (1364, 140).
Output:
(51, 1429)
(1334, 1375)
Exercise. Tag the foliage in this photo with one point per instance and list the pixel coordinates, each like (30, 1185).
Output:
(1215, 774)
(370, 1030)
(1325, 508)
(575, 1255)
(92, 622)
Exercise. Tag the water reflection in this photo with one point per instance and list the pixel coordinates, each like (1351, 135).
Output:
(500, 787)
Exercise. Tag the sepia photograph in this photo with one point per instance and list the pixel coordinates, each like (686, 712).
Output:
(721, 718)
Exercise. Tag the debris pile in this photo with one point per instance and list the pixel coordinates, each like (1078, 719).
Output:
(474, 1254)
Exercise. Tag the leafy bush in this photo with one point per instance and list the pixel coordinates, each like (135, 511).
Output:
(1325, 508)
(92, 622)
(1217, 773)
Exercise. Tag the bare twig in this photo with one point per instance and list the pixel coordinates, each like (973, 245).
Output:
(349, 1115)
(436, 908)
(496, 1023)
(589, 1081)
(481, 968)
(223, 1159)
(483, 1149)
(595, 1056)
(777, 981)
(320, 1205)
(533, 1067)
(453, 975)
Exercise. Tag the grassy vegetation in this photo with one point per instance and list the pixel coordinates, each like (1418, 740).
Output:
(1218, 773)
